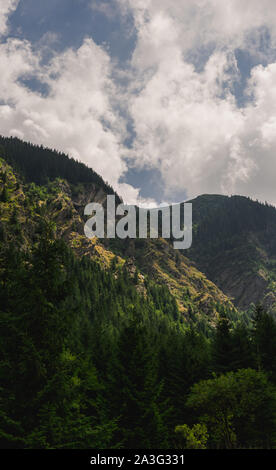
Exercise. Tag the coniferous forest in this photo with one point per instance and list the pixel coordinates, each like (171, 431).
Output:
(96, 354)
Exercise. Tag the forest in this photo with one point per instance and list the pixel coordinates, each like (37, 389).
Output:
(89, 361)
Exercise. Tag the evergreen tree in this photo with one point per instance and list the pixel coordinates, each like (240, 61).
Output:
(222, 346)
(5, 195)
(136, 391)
(264, 338)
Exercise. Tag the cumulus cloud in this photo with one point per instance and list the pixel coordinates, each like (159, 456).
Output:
(78, 114)
(187, 122)
(105, 7)
(185, 128)
(6, 7)
(199, 22)
(258, 137)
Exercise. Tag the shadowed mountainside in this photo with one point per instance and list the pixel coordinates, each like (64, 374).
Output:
(234, 244)
(63, 200)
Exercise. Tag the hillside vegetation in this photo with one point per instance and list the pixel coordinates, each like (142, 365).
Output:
(235, 246)
(117, 344)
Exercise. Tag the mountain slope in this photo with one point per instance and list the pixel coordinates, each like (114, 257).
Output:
(63, 202)
(235, 246)
(104, 342)
(40, 165)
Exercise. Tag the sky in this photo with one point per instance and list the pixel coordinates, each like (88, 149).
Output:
(165, 99)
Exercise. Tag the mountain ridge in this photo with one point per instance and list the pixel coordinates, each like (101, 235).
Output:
(63, 203)
(224, 264)
(112, 343)
(234, 244)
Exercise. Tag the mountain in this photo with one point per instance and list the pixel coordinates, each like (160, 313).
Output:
(234, 244)
(232, 258)
(126, 344)
(39, 165)
(63, 199)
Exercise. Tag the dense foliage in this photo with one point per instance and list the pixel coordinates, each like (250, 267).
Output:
(39, 164)
(89, 359)
(234, 244)
(87, 362)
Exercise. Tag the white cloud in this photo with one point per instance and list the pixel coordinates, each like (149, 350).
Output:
(6, 7)
(184, 127)
(199, 22)
(105, 7)
(77, 116)
(258, 136)
(187, 123)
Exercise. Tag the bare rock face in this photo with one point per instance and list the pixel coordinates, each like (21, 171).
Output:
(89, 193)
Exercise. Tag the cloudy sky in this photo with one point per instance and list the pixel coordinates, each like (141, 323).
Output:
(166, 99)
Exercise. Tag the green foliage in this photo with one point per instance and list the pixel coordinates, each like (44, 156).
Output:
(46, 393)
(88, 361)
(238, 409)
(264, 341)
(70, 336)
(136, 389)
(5, 194)
(234, 244)
(39, 165)
(194, 437)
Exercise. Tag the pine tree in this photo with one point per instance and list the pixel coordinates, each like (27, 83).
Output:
(136, 391)
(264, 338)
(5, 194)
(222, 347)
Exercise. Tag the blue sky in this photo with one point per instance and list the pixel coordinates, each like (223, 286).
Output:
(71, 21)
(166, 100)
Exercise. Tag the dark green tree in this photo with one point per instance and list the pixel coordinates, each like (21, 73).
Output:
(264, 340)
(238, 409)
(136, 391)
